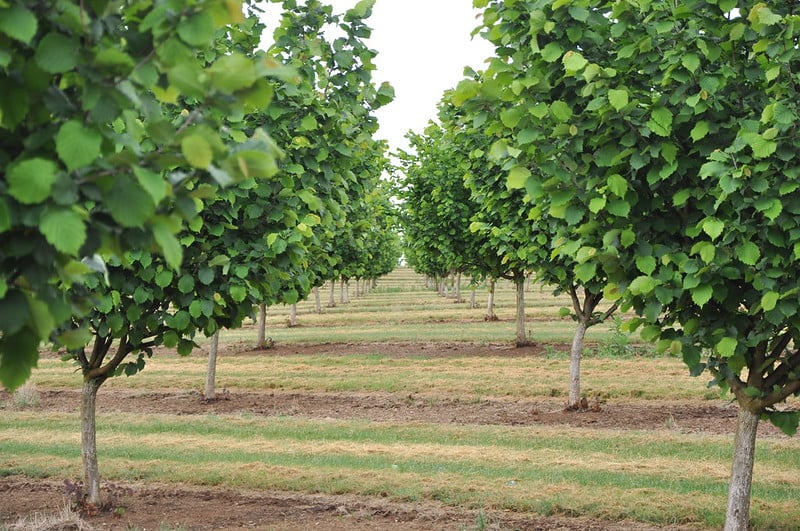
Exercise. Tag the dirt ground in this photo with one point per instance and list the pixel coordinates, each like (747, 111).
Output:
(157, 506)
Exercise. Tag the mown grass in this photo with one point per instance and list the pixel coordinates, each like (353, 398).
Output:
(661, 476)
(652, 477)
(466, 377)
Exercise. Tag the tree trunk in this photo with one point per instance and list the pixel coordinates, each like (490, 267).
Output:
(490, 315)
(262, 326)
(91, 471)
(347, 291)
(341, 291)
(332, 298)
(293, 315)
(317, 301)
(458, 288)
(522, 338)
(211, 372)
(575, 366)
(738, 516)
(472, 304)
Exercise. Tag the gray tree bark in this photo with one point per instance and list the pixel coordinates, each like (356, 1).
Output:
(262, 326)
(211, 372)
(575, 365)
(458, 288)
(91, 470)
(332, 298)
(472, 304)
(737, 517)
(522, 338)
(317, 301)
(293, 315)
(341, 291)
(490, 315)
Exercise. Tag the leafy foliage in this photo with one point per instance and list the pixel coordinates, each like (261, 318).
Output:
(100, 152)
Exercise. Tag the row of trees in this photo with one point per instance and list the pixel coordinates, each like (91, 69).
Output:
(144, 197)
(644, 153)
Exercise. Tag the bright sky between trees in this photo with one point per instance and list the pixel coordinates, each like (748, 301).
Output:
(423, 48)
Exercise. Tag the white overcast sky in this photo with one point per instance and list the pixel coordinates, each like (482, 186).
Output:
(423, 47)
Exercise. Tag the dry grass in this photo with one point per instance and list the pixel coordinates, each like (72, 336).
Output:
(64, 520)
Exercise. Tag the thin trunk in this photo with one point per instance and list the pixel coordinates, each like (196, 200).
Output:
(575, 366)
(427, 282)
(211, 372)
(490, 315)
(332, 297)
(317, 301)
(262, 326)
(472, 304)
(341, 291)
(522, 339)
(91, 471)
(458, 288)
(347, 291)
(293, 315)
(738, 516)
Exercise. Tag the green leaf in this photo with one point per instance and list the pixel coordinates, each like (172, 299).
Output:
(232, 72)
(769, 300)
(690, 61)
(197, 30)
(31, 181)
(517, 177)
(186, 284)
(646, 264)
(465, 90)
(205, 275)
(574, 61)
(153, 183)
(617, 185)
(18, 22)
(76, 338)
(660, 121)
(164, 278)
(618, 98)
(726, 347)
(596, 204)
(308, 123)
(128, 203)
(77, 145)
(64, 229)
(166, 239)
(786, 421)
(619, 208)
(552, 52)
(713, 227)
(642, 285)
(238, 293)
(561, 111)
(586, 271)
(702, 294)
(748, 253)
(57, 53)
(197, 151)
(19, 352)
(699, 131)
